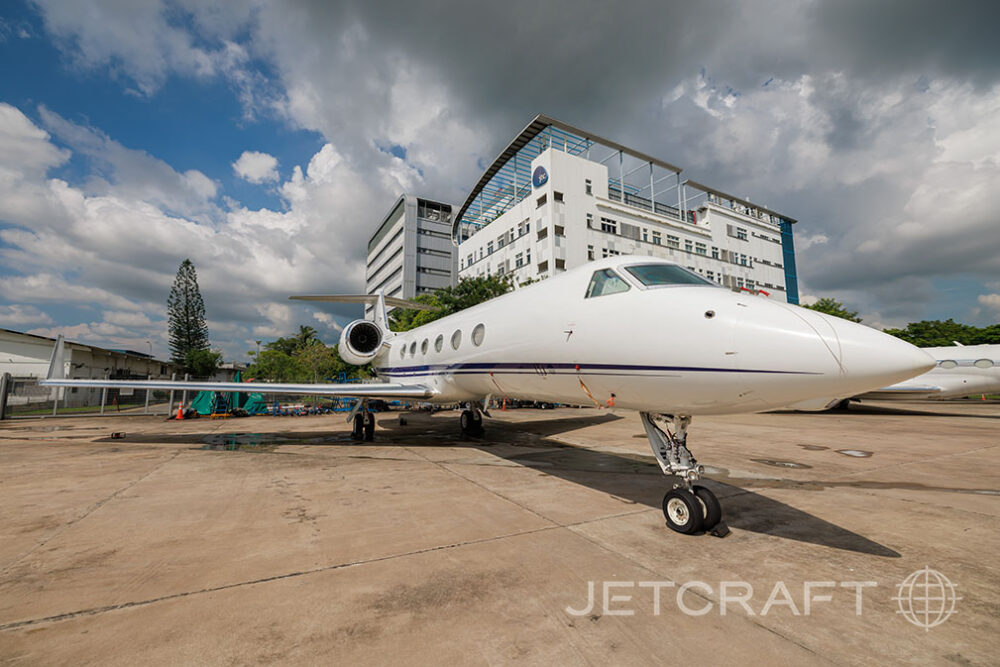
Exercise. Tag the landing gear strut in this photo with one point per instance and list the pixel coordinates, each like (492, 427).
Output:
(363, 424)
(687, 507)
(471, 421)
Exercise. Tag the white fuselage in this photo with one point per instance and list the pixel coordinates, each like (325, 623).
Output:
(961, 370)
(684, 349)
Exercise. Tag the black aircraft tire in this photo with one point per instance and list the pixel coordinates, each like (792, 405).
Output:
(682, 510)
(358, 427)
(711, 509)
(369, 428)
(465, 421)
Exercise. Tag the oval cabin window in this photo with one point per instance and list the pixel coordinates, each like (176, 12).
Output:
(478, 334)
(983, 363)
(948, 363)
(423, 347)
(439, 343)
(456, 339)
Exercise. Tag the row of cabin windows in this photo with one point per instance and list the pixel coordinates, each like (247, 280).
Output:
(478, 335)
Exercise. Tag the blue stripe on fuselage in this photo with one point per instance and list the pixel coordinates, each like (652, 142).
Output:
(520, 368)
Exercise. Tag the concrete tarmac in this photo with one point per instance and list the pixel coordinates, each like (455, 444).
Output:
(859, 537)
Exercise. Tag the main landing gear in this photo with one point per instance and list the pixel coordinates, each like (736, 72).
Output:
(363, 424)
(687, 507)
(471, 421)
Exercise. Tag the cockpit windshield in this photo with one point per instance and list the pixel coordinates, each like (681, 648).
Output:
(605, 282)
(653, 275)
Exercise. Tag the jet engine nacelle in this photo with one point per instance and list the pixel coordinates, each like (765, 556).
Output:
(360, 342)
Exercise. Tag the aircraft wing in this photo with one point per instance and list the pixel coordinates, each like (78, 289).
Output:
(388, 390)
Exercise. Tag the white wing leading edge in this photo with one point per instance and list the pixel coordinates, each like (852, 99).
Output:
(55, 378)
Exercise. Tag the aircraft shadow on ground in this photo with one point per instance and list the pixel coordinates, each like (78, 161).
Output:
(638, 479)
(931, 410)
(633, 478)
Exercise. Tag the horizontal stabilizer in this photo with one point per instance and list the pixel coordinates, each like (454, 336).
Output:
(370, 299)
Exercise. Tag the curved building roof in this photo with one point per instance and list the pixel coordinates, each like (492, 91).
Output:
(508, 180)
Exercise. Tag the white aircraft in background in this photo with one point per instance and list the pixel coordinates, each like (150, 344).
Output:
(962, 370)
(634, 332)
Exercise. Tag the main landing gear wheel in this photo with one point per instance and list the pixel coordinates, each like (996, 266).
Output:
(683, 511)
(358, 427)
(369, 426)
(471, 422)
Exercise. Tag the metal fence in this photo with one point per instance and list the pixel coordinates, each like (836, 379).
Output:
(26, 398)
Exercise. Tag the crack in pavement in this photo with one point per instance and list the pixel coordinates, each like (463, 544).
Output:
(90, 510)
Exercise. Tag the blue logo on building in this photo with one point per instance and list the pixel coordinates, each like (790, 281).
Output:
(540, 177)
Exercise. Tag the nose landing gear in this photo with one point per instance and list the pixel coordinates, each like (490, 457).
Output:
(688, 507)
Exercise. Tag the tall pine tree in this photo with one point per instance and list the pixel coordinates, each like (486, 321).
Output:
(186, 315)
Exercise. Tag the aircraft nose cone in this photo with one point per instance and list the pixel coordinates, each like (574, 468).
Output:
(870, 358)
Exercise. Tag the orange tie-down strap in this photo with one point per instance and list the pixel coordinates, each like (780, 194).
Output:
(583, 385)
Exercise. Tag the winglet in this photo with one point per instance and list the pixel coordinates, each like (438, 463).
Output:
(57, 367)
(379, 315)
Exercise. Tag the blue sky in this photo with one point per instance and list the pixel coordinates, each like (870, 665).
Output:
(264, 140)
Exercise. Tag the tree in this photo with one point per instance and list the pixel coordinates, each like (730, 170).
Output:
(834, 307)
(300, 358)
(202, 363)
(937, 333)
(448, 300)
(188, 331)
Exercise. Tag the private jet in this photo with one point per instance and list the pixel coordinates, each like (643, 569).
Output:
(638, 333)
(961, 370)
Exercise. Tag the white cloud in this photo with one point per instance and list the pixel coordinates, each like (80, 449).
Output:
(17, 315)
(327, 320)
(256, 167)
(991, 302)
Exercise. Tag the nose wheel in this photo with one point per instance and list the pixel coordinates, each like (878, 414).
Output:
(688, 507)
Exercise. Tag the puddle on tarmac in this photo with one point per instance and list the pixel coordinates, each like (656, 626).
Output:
(781, 464)
(856, 453)
(230, 442)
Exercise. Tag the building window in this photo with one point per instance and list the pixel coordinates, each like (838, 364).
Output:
(688, 246)
(588, 187)
(673, 241)
(609, 225)
(543, 233)
(557, 196)
(489, 248)
(700, 249)
(470, 260)
(541, 201)
(657, 239)
(501, 241)
(590, 252)
(543, 266)
(645, 235)
(715, 253)
(527, 256)
(519, 260)
(559, 230)
(590, 221)
(710, 275)
(743, 260)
